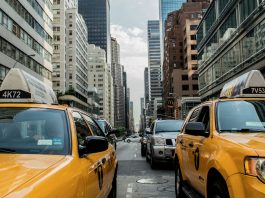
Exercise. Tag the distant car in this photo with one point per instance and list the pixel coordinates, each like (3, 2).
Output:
(143, 142)
(133, 138)
(161, 141)
(108, 131)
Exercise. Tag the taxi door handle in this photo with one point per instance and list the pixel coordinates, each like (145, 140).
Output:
(181, 142)
(103, 160)
(191, 144)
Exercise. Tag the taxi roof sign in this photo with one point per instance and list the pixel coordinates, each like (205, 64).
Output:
(21, 87)
(250, 84)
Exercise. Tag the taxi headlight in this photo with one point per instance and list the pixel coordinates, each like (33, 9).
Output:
(159, 141)
(255, 167)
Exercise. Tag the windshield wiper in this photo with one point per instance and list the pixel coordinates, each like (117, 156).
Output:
(7, 150)
(247, 130)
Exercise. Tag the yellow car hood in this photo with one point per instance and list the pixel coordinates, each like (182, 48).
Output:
(255, 141)
(17, 169)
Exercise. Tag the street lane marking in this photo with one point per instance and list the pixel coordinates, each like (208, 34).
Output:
(129, 190)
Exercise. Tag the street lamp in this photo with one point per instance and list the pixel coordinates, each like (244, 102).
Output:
(31, 55)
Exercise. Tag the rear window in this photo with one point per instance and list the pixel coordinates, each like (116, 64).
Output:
(33, 131)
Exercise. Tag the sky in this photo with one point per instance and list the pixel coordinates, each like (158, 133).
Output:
(129, 26)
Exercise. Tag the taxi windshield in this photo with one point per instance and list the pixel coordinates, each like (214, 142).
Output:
(241, 116)
(33, 131)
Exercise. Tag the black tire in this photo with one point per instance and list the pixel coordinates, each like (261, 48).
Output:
(143, 153)
(153, 163)
(128, 140)
(218, 189)
(146, 157)
(178, 181)
(113, 192)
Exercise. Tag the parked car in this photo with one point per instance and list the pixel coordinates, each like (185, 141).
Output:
(108, 131)
(144, 141)
(221, 149)
(47, 149)
(133, 138)
(161, 141)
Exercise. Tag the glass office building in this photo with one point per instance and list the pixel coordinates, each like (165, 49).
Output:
(230, 42)
(154, 59)
(97, 17)
(165, 7)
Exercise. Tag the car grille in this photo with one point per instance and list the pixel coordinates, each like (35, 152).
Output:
(171, 142)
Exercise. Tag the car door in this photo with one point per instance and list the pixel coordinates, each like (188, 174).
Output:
(184, 140)
(89, 182)
(105, 158)
(197, 152)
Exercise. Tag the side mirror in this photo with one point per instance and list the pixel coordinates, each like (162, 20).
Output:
(148, 131)
(196, 129)
(113, 131)
(96, 144)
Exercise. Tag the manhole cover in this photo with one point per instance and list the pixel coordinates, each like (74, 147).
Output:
(152, 181)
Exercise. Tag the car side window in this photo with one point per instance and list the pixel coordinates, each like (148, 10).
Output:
(194, 115)
(82, 129)
(204, 117)
(96, 130)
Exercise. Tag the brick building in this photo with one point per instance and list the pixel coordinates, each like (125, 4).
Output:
(180, 53)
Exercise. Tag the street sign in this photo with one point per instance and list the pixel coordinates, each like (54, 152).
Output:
(170, 102)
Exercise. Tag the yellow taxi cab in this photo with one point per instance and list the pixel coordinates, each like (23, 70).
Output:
(220, 152)
(49, 150)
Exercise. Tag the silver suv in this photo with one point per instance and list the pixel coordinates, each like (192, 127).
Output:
(161, 141)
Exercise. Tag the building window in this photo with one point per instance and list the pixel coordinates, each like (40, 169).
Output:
(246, 8)
(185, 77)
(194, 57)
(24, 36)
(193, 27)
(194, 76)
(17, 6)
(70, 32)
(193, 47)
(193, 37)
(195, 87)
(194, 66)
(185, 87)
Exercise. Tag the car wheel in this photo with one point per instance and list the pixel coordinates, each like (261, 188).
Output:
(219, 189)
(113, 192)
(147, 157)
(129, 141)
(178, 181)
(152, 162)
(143, 152)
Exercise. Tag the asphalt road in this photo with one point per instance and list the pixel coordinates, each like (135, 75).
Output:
(158, 183)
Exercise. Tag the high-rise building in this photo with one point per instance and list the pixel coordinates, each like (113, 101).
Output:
(154, 66)
(142, 115)
(127, 99)
(146, 86)
(165, 7)
(230, 42)
(131, 122)
(180, 63)
(26, 38)
(97, 16)
(98, 76)
(59, 44)
(119, 89)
